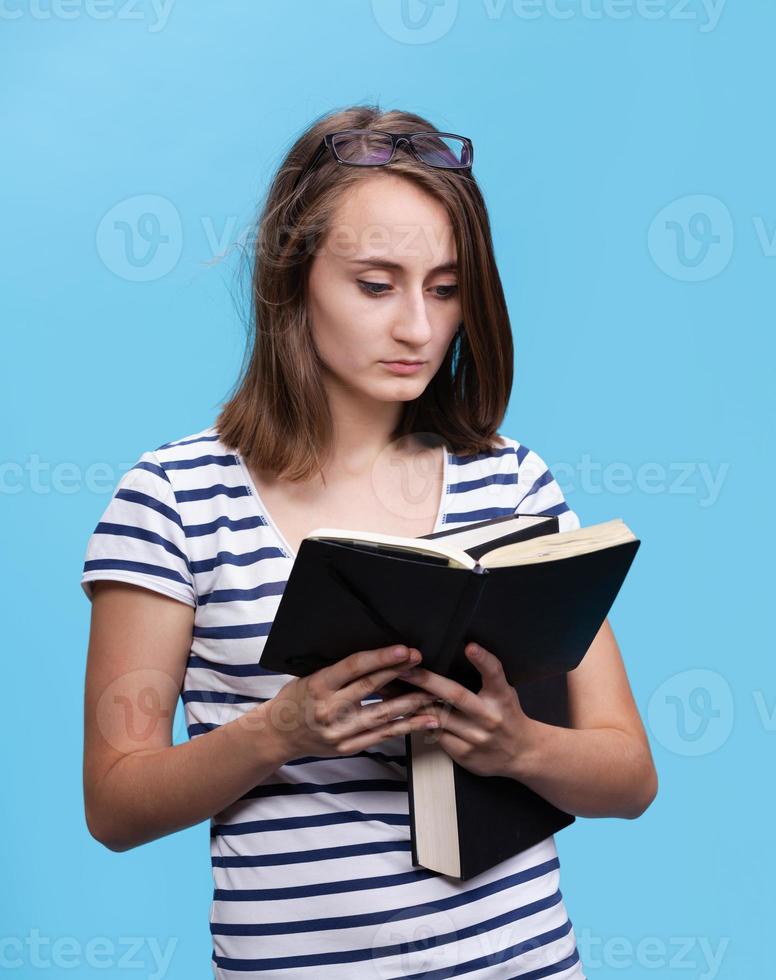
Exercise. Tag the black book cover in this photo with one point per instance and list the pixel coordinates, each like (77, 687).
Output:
(539, 619)
(498, 816)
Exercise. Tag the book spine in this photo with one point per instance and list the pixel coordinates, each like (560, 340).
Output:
(411, 801)
(467, 605)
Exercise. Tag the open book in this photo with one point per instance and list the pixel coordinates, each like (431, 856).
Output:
(530, 594)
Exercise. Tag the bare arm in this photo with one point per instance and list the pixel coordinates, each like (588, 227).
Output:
(602, 766)
(139, 787)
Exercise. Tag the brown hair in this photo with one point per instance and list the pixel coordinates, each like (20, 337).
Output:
(277, 415)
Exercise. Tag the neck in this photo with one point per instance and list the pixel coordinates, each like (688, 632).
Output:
(362, 433)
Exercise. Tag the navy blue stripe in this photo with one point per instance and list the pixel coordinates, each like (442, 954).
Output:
(549, 971)
(188, 442)
(476, 457)
(200, 729)
(236, 670)
(522, 452)
(101, 564)
(313, 820)
(424, 943)
(548, 511)
(240, 632)
(465, 485)
(266, 790)
(240, 524)
(151, 468)
(241, 560)
(347, 886)
(469, 516)
(243, 595)
(219, 697)
(409, 912)
(540, 482)
(127, 531)
(135, 497)
(192, 464)
(529, 945)
(207, 493)
(304, 857)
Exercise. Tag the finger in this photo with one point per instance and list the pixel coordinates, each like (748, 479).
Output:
(368, 685)
(490, 667)
(445, 689)
(454, 722)
(375, 712)
(455, 747)
(399, 726)
(395, 688)
(381, 712)
(376, 666)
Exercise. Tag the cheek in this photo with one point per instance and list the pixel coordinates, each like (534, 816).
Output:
(347, 341)
(334, 321)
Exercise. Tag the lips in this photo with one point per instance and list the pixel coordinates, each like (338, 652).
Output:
(403, 367)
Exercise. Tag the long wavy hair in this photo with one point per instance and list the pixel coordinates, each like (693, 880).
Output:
(277, 413)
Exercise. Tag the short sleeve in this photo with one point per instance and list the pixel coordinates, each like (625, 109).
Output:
(539, 492)
(140, 538)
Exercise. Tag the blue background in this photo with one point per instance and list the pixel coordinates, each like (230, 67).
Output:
(625, 150)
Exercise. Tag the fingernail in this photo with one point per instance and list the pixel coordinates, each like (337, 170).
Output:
(400, 652)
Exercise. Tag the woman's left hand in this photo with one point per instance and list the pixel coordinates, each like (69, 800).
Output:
(484, 732)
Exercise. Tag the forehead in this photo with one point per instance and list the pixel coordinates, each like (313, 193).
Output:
(383, 214)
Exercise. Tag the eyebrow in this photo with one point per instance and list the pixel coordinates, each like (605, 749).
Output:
(376, 261)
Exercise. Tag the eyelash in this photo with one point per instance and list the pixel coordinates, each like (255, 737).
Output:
(364, 284)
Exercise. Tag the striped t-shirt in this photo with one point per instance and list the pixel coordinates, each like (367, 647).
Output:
(312, 871)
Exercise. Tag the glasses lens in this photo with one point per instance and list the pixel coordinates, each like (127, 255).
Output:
(366, 149)
(442, 151)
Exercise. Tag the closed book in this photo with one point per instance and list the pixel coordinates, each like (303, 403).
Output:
(531, 595)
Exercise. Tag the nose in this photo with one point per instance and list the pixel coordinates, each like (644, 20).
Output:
(412, 324)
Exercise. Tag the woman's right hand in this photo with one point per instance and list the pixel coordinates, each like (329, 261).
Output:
(322, 714)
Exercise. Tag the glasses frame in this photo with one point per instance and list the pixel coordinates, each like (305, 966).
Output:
(397, 139)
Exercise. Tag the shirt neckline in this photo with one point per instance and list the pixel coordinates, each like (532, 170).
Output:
(286, 548)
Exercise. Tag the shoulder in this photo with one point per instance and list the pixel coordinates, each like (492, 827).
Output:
(193, 460)
(537, 489)
(189, 451)
(185, 470)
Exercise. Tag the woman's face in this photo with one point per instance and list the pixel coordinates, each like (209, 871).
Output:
(383, 287)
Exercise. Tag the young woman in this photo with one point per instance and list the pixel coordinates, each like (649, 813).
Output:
(373, 250)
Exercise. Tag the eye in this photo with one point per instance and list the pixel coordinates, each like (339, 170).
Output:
(379, 287)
